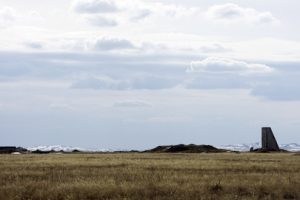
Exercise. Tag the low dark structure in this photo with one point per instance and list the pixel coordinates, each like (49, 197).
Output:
(268, 140)
(182, 148)
(11, 149)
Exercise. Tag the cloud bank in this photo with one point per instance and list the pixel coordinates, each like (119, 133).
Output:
(110, 13)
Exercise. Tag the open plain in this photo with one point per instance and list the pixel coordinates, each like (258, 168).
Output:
(145, 176)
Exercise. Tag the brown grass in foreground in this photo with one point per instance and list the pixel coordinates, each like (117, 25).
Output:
(149, 176)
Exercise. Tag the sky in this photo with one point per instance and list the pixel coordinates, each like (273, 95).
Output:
(134, 74)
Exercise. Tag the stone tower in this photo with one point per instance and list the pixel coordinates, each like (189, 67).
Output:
(268, 141)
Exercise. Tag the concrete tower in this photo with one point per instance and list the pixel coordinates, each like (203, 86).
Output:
(268, 141)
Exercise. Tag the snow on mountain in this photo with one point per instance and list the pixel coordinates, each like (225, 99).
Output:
(290, 147)
(240, 147)
(293, 147)
(58, 148)
(246, 147)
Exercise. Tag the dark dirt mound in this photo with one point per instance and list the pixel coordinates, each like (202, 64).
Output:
(11, 149)
(260, 150)
(182, 148)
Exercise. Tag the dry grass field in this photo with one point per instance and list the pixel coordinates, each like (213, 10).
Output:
(150, 176)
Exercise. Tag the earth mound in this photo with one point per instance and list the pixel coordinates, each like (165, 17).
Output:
(182, 148)
(261, 150)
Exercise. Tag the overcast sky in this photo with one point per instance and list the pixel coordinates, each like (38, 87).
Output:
(133, 74)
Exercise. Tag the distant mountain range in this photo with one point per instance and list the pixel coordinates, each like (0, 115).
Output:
(61, 148)
(235, 147)
(246, 147)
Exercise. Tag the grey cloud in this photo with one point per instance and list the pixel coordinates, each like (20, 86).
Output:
(101, 21)
(143, 82)
(112, 43)
(233, 12)
(142, 14)
(226, 11)
(105, 83)
(60, 65)
(132, 104)
(282, 87)
(266, 17)
(34, 45)
(217, 81)
(60, 106)
(154, 82)
(105, 71)
(94, 6)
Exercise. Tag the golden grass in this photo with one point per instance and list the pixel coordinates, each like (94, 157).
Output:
(149, 176)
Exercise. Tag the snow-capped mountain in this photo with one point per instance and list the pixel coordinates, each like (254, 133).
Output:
(246, 147)
(290, 147)
(293, 147)
(240, 147)
(59, 148)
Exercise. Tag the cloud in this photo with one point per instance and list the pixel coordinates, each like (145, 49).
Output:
(225, 73)
(103, 44)
(234, 13)
(102, 83)
(111, 13)
(217, 81)
(94, 6)
(214, 48)
(132, 104)
(34, 45)
(109, 72)
(142, 82)
(227, 65)
(282, 87)
(168, 119)
(153, 82)
(101, 21)
(7, 16)
(92, 44)
(60, 106)
(141, 14)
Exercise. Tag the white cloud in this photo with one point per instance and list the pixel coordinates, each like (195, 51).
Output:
(7, 16)
(94, 6)
(214, 48)
(132, 104)
(234, 13)
(110, 12)
(227, 65)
